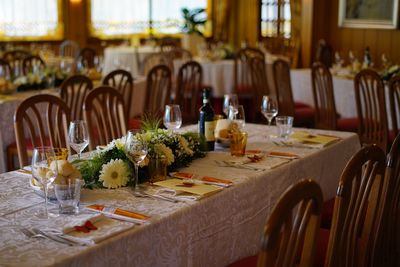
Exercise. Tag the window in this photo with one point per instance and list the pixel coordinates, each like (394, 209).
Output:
(23, 20)
(275, 18)
(118, 18)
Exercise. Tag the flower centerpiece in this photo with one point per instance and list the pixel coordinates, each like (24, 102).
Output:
(111, 168)
(40, 80)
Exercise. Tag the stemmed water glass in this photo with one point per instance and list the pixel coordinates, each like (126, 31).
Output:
(230, 100)
(172, 117)
(269, 108)
(78, 136)
(136, 151)
(236, 114)
(42, 171)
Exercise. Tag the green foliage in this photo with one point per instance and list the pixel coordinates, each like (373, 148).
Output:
(192, 20)
(150, 122)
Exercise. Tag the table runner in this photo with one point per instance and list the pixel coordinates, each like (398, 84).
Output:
(214, 231)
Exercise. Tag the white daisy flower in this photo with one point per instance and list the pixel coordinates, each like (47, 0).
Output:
(114, 174)
(162, 149)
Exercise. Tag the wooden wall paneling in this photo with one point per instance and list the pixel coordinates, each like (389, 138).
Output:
(394, 55)
(384, 47)
(371, 42)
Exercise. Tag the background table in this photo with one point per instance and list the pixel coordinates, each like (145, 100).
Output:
(214, 231)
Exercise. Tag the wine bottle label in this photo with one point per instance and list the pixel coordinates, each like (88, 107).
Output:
(209, 130)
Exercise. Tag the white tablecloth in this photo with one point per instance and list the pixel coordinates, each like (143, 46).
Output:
(124, 57)
(8, 108)
(343, 90)
(214, 231)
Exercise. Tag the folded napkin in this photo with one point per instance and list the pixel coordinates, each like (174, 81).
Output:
(182, 190)
(202, 179)
(119, 214)
(282, 155)
(313, 140)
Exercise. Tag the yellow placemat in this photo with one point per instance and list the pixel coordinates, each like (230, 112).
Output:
(196, 189)
(318, 139)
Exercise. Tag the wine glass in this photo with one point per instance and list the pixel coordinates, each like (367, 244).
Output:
(172, 117)
(136, 151)
(269, 108)
(78, 136)
(236, 114)
(230, 100)
(42, 173)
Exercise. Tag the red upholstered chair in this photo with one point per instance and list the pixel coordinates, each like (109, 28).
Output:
(291, 229)
(40, 120)
(357, 212)
(303, 116)
(324, 102)
(259, 82)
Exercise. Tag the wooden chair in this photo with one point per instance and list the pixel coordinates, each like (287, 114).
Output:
(324, 53)
(371, 108)
(69, 48)
(5, 69)
(291, 228)
(177, 53)
(74, 91)
(152, 60)
(31, 64)
(40, 120)
(303, 114)
(158, 89)
(326, 116)
(122, 80)
(104, 113)
(15, 58)
(358, 205)
(259, 82)
(87, 57)
(394, 101)
(189, 83)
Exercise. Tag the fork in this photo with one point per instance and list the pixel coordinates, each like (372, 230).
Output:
(245, 167)
(142, 193)
(37, 233)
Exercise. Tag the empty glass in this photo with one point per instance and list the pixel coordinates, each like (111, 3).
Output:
(68, 196)
(284, 124)
(44, 172)
(269, 108)
(78, 136)
(136, 151)
(172, 117)
(236, 114)
(230, 100)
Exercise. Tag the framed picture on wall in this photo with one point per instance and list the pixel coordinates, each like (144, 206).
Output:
(377, 14)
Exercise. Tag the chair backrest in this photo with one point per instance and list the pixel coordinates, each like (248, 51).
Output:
(87, 57)
(15, 59)
(5, 69)
(394, 101)
(152, 60)
(104, 113)
(283, 87)
(358, 204)
(371, 108)
(387, 248)
(324, 99)
(43, 119)
(324, 53)
(69, 48)
(32, 63)
(259, 79)
(189, 82)
(158, 89)
(73, 91)
(293, 225)
(122, 80)
(242, 76)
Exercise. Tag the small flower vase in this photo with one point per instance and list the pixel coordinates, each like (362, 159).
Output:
(157, 169)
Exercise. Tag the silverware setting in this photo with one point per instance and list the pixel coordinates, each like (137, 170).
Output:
(225, 163)
(142, 193)
(288, 144)
(37, 233)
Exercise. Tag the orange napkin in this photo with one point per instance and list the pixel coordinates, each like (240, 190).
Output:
(203, 179)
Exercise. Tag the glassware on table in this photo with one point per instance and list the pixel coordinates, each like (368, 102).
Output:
(236, 114)
(43, 172)
(284, 124)
(269, 108)
(238, 143)
(68, 196)
(172, 117)
(136, 150)
(230, 100)
(78, 136)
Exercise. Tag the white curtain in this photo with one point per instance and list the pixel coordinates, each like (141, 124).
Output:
(28, 17)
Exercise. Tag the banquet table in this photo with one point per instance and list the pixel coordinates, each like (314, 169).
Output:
(343, 89)
(126, 57)
(9, 104)
(213, 231)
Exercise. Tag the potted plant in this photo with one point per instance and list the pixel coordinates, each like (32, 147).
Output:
(194, 21)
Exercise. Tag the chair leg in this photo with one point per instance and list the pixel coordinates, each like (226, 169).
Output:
(10, 160)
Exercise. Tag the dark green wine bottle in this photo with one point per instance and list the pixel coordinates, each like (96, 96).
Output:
(206, 120)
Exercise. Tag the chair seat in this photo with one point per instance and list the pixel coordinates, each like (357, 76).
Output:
(347, 124)
(327, 213)
(245, 262)
(304, 117)
(135, 123)
(301, 105)
(322, 247)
